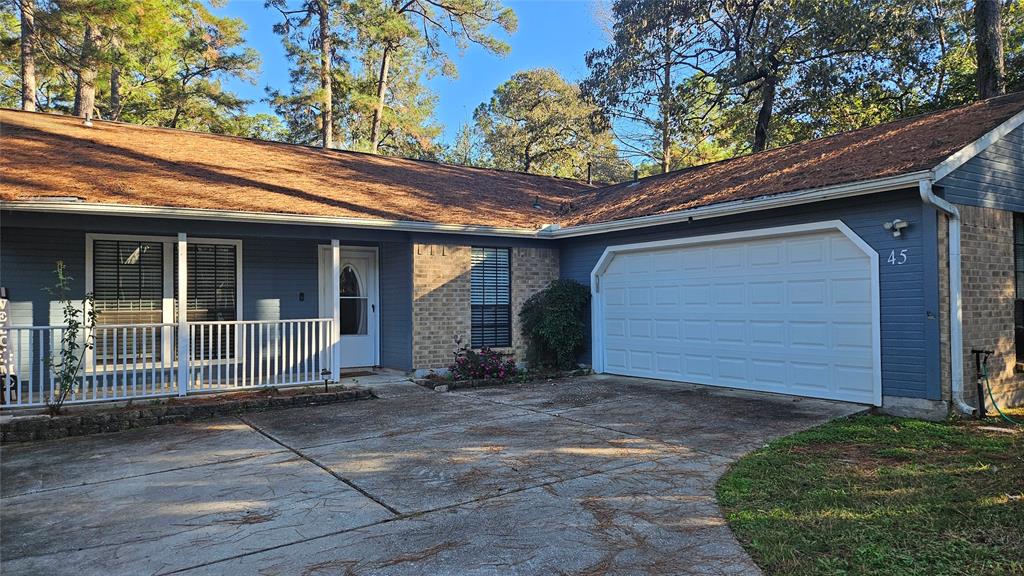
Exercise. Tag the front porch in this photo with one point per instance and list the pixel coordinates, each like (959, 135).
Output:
(132, 361)
(199, 312)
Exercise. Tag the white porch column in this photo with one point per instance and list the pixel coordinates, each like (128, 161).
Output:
(336, 309)
(183, 344)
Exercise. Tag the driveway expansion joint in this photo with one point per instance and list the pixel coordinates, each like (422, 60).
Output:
(259, 454)
(407, 515)
(316, 463)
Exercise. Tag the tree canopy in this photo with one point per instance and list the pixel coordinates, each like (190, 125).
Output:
(680, 82)
(159, 62)
(538, 122)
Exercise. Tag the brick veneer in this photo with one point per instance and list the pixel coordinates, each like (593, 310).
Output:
(988, 293)
(532, 270)
(945, 370)
(441, 291)
(440, 302)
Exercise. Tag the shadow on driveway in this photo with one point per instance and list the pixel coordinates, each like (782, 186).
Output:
(592, 475)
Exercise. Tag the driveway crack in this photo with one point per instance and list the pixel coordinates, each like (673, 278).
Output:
(316, 463)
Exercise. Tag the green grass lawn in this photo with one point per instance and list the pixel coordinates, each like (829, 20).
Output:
(879, 495)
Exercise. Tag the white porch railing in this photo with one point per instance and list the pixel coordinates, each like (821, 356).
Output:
(141, 360)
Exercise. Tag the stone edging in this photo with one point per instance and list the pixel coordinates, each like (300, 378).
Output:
(44, 427)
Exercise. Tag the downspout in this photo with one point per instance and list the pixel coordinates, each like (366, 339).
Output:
(956, 321)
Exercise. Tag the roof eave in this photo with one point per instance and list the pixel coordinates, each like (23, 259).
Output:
(551, 231)
(858, 188)
(141, 211)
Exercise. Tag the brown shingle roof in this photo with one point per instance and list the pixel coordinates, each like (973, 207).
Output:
(49, 155)
(891, 149)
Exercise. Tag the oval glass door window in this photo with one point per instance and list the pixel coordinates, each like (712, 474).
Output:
(353, 303)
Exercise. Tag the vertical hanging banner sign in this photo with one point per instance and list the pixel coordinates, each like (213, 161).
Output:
(8, 379)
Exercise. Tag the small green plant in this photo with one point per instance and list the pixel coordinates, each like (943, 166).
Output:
(77, 337)
(553, 324)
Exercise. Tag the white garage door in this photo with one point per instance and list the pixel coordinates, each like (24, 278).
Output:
(788, 310)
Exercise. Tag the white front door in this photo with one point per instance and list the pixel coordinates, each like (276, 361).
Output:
(358, 298)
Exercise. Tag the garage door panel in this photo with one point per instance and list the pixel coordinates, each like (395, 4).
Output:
(806, 251)
(732, 369)
(785, 314)
(667, 330)
(615, 359)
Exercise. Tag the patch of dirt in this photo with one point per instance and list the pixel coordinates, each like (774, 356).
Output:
(422, 554)
(251, 518)
(332, 567)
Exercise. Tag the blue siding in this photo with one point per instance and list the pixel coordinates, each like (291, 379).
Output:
(280, 279)
(908, 292)
(279, 267)
(28, 258)
(993, 179)
(396, 305)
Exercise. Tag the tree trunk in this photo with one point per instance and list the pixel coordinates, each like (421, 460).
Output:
(666, 105)
(988, 43)
(764, 114)
(115, 93)
(327, 106)
(85, 89)
(382, 87)
(28, 55)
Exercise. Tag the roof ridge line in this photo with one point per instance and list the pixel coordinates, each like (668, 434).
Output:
(310, 147)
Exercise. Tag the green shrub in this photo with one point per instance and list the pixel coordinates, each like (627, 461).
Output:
(554, 326)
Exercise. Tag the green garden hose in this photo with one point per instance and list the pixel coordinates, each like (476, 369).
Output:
(988, 386)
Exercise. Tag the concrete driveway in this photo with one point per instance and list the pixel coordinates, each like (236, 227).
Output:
(590, 476)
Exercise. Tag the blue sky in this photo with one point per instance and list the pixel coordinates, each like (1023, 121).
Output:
(552, 33)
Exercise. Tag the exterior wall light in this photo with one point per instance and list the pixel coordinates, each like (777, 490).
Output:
(896, 227)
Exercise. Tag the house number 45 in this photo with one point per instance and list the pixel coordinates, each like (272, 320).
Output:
(897, 258)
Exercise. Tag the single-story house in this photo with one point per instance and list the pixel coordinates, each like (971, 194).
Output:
(863, 266)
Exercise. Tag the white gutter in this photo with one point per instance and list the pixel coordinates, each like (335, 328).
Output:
(956, 321)
(742, 206)
(88, 208)
(547, 231)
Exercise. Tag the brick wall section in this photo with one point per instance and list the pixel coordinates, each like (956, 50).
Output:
(532, 270)
(988, 295)
(440, 305)
(441, 292)
(945, 370)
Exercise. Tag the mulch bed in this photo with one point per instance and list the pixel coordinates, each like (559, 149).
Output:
(95, 419)
(443, 384)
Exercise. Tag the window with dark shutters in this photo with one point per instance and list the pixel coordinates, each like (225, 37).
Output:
(491, 297)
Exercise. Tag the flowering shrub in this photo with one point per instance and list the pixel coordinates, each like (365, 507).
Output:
(470, 364)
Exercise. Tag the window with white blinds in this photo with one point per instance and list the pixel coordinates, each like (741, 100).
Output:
(129, 277)
(128, 288)
(491, 297)
(128, 281)
(212, 282)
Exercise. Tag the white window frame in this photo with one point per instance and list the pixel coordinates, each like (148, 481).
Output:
(167, 309)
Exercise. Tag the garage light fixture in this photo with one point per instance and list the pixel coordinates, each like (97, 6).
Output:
(896, 227)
